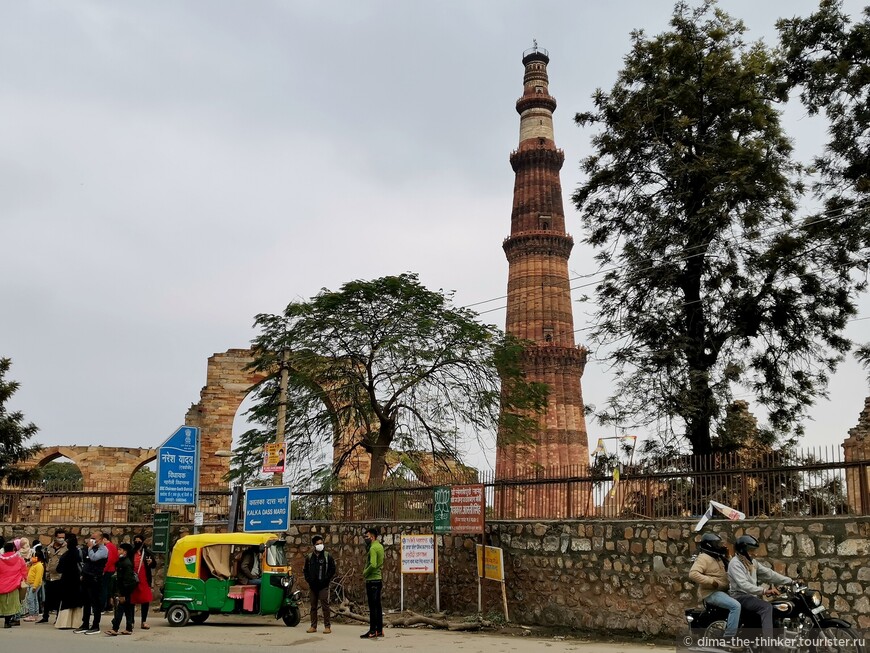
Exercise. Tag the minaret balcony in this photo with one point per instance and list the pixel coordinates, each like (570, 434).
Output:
(537, 156)
(537, 241)
(536, 101)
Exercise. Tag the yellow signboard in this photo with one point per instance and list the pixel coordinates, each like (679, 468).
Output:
(273, 459)
(493, 569)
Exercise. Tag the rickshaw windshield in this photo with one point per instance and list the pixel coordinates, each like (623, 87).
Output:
(275, 554)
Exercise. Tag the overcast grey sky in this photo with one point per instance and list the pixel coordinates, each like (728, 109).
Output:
(169, 169)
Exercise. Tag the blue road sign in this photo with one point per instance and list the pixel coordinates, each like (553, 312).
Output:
(267, 509)
(178, 468)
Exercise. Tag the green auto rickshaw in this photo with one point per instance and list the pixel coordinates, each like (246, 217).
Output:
(203, 579)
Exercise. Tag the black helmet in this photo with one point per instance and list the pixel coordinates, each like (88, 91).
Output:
(712, 544)
(744, 544)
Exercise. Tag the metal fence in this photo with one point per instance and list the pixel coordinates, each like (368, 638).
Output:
(805, 483)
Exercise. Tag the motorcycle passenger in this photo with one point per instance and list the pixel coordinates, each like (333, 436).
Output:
(743, 575)
(709, 572)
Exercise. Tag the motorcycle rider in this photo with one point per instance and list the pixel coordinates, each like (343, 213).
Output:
(709, 572)
(743, 575)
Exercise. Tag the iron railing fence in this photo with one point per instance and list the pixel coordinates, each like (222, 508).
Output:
(806, 483)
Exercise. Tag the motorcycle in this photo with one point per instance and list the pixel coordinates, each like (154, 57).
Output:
(800, 621)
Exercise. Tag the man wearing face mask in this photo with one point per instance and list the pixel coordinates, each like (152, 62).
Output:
(374, 583)
(92, 583)
(319, 571)
(53, 553)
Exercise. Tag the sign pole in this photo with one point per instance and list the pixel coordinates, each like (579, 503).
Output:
(437, 581)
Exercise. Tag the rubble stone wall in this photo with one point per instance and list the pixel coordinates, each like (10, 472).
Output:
(628, 576)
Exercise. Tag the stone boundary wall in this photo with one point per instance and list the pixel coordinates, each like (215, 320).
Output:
(628, 576)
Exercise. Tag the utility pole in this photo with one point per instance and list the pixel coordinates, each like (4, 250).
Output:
(278, 477)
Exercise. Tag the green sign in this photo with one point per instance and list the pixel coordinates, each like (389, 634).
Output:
(160, 540)
(459, 509)
(442, 509)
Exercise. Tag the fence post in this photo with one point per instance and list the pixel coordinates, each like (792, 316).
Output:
(648, 500)
(395, 504)
(102, 510)
(16, 497)
(744, 493)
(569, 496)
(863, 494)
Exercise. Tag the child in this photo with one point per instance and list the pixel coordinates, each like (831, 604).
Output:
(34, 584)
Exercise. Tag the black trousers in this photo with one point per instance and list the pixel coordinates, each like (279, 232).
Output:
(52, 597)
(92, 589)
(125, 609)
(376, 611)
(762, 608)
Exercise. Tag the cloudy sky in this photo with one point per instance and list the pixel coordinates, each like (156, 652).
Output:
(169, 169)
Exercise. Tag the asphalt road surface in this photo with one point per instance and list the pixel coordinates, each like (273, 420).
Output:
(234, 634)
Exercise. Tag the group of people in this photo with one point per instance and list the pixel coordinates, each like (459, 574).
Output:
(78, 583)
(320, 569)
(733, 584)
(21, 581)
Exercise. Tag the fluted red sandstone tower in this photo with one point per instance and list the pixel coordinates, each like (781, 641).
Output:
(539, 305)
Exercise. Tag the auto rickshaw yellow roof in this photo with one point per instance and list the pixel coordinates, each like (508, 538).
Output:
(209, 539)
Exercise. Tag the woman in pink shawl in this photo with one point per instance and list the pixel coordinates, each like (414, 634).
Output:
(13, 570)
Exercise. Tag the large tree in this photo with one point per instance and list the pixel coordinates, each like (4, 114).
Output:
(14, 432)
(827, 58)
(385, 365)
(710, 280)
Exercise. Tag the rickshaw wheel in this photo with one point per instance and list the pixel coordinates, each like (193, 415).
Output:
(177, 615)
(292, 617)
(199, 617)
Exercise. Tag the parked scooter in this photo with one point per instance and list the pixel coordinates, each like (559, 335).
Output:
(800, 621)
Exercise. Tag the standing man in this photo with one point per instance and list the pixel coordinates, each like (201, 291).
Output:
(374, 583)
(109, 571)
(319, 571)
(92, 584)
(53, 554)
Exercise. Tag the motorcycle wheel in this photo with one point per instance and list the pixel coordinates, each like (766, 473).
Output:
(715, 630)
(845, 640)
(292, 617)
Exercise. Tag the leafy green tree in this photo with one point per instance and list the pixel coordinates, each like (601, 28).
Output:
(60, 476)
(828, 59)
(710, 281)
(14, 432)
(394, 365)
(141, 504)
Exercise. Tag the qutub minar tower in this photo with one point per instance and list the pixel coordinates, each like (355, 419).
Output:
(539, 306)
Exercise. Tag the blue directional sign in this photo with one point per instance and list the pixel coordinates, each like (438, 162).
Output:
(178, 468)
(267, 509)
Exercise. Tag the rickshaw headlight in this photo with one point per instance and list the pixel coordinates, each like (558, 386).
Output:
(285, 581)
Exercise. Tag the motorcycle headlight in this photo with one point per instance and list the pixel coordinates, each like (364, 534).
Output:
(816, 597)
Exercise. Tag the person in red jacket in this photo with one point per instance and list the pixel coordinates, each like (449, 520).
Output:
(13, 570)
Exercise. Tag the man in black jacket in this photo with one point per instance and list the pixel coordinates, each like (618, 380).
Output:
(319, 571)
(92, 583)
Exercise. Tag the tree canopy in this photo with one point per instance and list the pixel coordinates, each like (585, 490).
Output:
(827, 58)
(711, 282)
(14, 431)
(379, 366)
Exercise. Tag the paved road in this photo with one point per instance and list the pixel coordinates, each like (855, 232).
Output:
(239, 634)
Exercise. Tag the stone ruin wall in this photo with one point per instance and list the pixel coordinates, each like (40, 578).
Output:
(628, 576)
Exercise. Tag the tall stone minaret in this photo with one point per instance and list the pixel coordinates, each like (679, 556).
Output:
(539, 305)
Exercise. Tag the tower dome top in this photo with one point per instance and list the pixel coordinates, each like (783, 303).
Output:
(535, 53)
